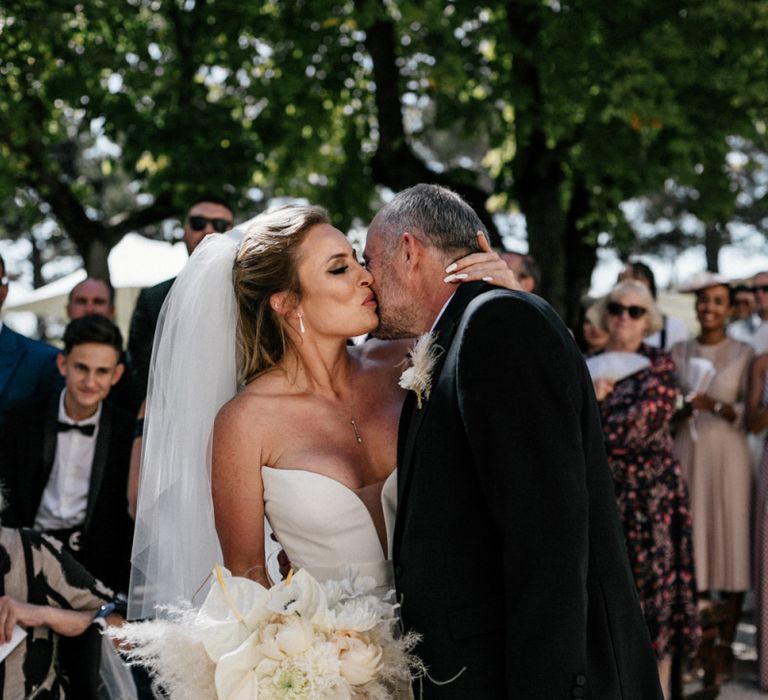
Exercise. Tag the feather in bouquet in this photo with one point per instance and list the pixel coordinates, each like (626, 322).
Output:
(298, 639)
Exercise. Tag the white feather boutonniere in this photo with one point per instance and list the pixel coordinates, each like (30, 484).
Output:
(418, 377)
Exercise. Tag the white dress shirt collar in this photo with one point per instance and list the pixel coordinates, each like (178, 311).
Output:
(442, 311)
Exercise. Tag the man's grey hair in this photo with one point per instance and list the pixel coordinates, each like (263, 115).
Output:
(439, 214)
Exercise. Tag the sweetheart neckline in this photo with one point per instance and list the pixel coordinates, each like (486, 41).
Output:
(330, 478)
(355, 495)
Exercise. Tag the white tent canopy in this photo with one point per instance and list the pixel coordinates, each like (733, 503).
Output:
(134, 263)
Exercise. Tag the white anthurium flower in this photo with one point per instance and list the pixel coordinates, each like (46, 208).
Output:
(236, 677)
(299, 593)
(232, 610)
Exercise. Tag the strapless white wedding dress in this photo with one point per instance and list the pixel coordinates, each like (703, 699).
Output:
(325, 527)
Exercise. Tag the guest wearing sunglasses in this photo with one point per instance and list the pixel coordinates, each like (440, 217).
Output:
(206, 216)
(716, 461)
(672, 330)
(759, 340)
(650, 491)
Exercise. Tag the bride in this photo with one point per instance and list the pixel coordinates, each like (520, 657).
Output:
(254, 337)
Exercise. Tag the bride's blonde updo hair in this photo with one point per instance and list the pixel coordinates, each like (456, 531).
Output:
(266, 263)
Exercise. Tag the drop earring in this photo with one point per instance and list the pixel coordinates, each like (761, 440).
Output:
(301, 323)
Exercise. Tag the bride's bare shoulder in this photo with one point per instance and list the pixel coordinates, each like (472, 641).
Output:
(246, 410)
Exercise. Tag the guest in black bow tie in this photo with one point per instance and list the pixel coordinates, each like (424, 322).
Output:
(65, 458)
(64, 466)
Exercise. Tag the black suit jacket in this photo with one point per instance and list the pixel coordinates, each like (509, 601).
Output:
(508, 551)
(28, 446)
(142, 333)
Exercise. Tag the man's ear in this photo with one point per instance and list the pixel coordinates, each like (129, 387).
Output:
(118, 373)
(61, 363)
(411, 247)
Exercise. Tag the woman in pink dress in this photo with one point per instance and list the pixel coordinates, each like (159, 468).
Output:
(711, 445)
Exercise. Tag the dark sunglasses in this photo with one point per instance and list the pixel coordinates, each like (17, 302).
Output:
(616, 309)
(198, 223)
(760, 288)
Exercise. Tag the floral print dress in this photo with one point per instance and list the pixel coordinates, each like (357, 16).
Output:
(653, 502)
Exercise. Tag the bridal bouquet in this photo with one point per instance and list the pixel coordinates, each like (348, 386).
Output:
(298, 639)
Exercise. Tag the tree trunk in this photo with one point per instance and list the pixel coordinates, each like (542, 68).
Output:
(546, 228)
(395, 165)
(713, 241)
(37, 263)
(95, 259)
(580, 255)
(537, 167)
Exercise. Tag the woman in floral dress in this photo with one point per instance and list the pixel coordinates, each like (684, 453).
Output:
(650, 491)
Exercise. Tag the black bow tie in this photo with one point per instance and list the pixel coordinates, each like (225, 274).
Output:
(87, 430)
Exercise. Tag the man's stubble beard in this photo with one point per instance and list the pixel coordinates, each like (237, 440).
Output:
(397, 319)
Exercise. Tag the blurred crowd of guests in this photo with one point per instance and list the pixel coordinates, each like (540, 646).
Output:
(675, 434)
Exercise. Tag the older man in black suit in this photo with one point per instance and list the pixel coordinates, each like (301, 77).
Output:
(206, 216)
(508, 551)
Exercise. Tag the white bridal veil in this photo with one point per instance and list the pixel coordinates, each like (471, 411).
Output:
(192, 374)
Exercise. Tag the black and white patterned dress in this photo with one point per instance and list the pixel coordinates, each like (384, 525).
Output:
(34, 569)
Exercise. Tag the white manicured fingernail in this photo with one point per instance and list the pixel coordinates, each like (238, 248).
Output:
(451, 267)
(487, 279)
(449, 278)
(461, 276)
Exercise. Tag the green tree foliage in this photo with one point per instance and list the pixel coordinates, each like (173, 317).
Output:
(677, 217)
(561, 109)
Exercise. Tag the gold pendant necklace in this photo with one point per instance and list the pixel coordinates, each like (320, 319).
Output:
(358, 437)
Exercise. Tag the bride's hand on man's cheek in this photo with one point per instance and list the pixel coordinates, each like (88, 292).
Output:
(486, 266)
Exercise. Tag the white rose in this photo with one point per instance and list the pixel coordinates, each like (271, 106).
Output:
(289, 637)
(359, 661)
